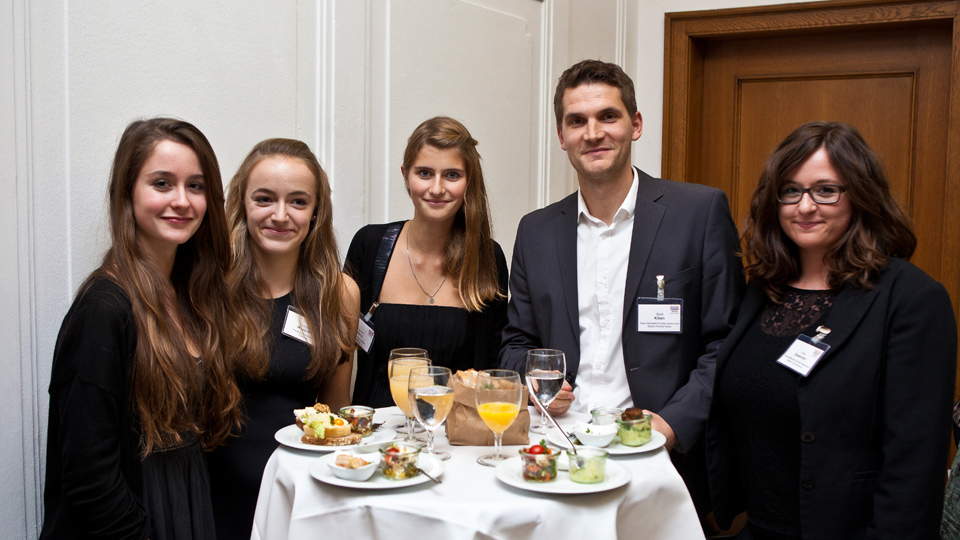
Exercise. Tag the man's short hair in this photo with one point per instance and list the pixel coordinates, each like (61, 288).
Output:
(590, 72)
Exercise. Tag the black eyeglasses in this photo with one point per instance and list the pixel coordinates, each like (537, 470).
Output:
(821, 194)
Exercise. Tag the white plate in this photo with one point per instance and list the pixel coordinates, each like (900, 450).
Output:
(657, 440)
(509, 473)
(290, 436)
(319, 470)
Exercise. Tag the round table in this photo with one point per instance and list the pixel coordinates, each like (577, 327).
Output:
(471, 503)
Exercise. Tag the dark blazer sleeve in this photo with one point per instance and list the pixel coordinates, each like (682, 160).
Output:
(921, 351)
(721, 290)
(519, 333)
(90, 453)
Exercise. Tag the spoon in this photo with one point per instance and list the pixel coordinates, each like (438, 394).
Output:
(427, 475)
(547, 414)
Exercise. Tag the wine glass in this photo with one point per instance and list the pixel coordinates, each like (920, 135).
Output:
(498, 402)
(545, 371)
(431, 399)
(400, 363)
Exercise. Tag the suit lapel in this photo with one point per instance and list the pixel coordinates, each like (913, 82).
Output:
(646, 222)
(566, 237)
(848, 309)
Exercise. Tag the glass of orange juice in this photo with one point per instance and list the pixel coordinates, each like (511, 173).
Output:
(498, 402)
(400, 363)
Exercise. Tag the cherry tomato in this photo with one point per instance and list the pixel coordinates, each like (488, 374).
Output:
(536, 449)
(393, 450)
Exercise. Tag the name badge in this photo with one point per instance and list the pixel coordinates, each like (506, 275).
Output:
(365, 335)
(660, 316)
(296, 327)
(804, 353)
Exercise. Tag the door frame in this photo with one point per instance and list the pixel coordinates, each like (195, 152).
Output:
(683, 68)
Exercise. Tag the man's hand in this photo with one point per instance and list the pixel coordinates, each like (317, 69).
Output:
(659, 424)
(561, 404)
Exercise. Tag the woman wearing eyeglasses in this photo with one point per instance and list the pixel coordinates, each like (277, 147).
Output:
(834, 386)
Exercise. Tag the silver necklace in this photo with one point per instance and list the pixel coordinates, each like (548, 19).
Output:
(412, 271)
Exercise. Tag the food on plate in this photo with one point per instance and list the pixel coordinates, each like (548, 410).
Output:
(360, 419)
(322, 428)
(400, 460)
(595, 435)
(350, 462)
(634, 430)
(538, 463)
(588, 465)
(605, 415)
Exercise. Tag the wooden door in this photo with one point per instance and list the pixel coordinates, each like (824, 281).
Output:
(738, 81)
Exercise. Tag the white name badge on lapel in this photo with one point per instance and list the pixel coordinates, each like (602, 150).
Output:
(296, 327)
(664, 317)
(804, 353)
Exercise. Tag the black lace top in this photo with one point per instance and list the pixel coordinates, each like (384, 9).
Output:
(760, 397)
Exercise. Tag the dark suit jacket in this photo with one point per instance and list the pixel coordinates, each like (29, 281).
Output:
(682, 231)
(873, 413)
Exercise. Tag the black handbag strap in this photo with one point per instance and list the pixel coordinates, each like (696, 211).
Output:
(383, 260)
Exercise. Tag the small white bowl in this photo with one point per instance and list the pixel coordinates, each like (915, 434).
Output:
(599, 436)
(361, 474)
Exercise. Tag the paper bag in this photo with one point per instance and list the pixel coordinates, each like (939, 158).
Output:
(465, 428)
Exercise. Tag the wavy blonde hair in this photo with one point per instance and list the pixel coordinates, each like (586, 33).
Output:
(469, 253)
(317, 286)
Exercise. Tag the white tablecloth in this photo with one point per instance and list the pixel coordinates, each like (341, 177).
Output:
(471, 503)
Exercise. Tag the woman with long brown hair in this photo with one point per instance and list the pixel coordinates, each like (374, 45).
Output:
(285, 277)
(833, 390)
(443, 288)
(141, 384)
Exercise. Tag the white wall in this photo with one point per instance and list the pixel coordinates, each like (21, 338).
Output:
(350, 77)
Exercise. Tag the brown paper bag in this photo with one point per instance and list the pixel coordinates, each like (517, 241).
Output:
(465, 428)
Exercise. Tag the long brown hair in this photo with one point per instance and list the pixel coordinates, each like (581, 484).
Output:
(879, 229)
(170, 395)
(469, 252)
(317, 286)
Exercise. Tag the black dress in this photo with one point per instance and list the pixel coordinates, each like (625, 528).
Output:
(96, 485)
(760, 397)
(237, 467)
(453, 337)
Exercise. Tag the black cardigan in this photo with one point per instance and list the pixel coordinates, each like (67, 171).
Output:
(488, 322)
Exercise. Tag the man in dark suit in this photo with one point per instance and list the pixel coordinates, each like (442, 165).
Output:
(585, 270)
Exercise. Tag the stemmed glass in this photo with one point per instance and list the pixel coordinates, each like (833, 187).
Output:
(545, 371)
(498, 402)
(400, 363)
(431, 399)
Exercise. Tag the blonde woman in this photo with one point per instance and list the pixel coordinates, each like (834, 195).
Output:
(285, 276)
(438, 281)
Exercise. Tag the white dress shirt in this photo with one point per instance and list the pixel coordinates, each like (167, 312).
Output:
(603, 253)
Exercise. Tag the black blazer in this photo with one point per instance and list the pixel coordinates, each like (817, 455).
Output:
(873, 413)
(682, 231)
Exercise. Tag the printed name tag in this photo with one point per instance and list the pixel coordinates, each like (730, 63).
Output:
(365, 335)
(664, 317)
(296, 327)
(803, 354)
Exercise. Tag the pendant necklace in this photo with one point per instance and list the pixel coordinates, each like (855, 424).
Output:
(412, 271)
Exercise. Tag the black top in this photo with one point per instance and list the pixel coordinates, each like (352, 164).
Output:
(237, 467)
(760, 397)
(96, 485)
(453, 337)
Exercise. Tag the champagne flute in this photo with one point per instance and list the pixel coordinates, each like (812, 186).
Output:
(431, 399)
(545, 371)
(398, 369)
(498, 402)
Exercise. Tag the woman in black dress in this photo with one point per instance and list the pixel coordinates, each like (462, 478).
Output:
(847, 441)
(140, 384)
(286, 269)
(443, 288)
